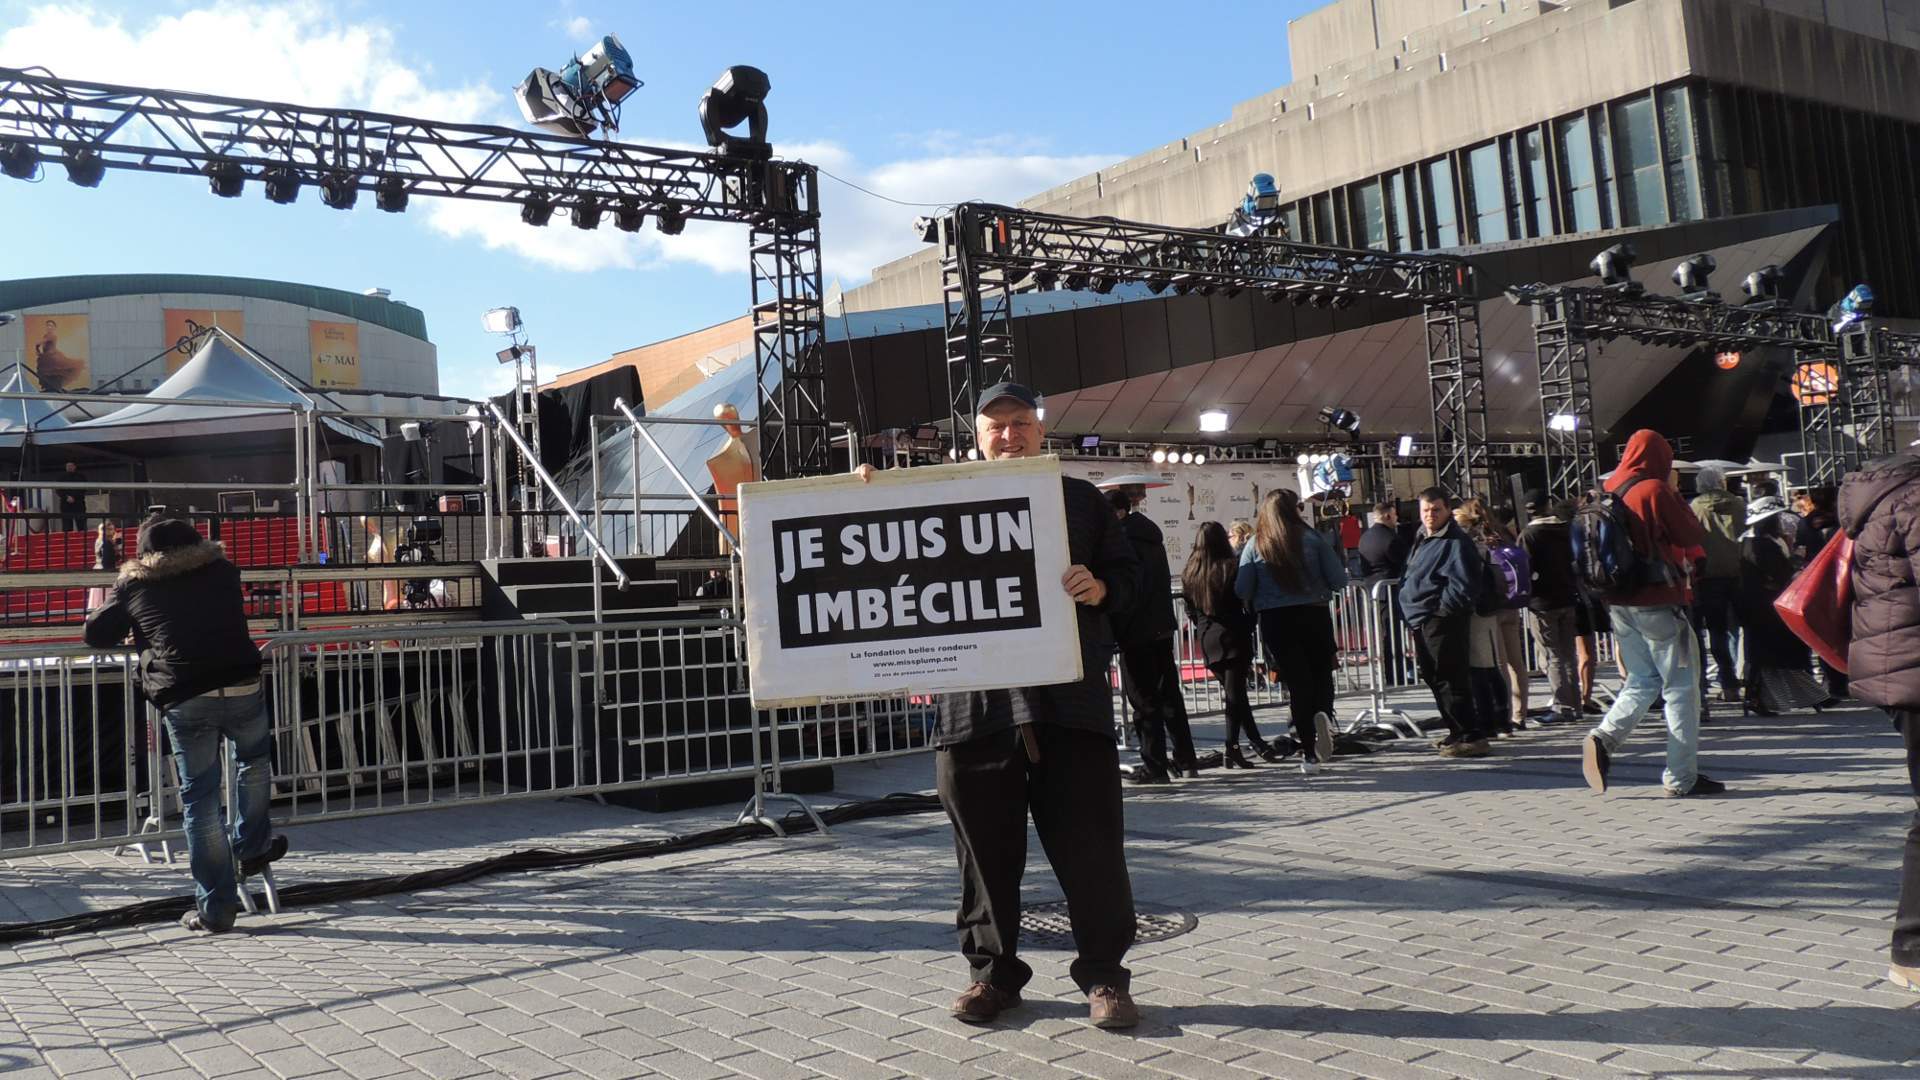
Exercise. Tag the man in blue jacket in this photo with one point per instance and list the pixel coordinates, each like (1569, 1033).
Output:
(1437, 594)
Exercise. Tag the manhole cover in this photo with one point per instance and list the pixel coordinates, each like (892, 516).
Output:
(1045, 926)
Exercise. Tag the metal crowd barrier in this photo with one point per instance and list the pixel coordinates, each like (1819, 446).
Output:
(72, 769)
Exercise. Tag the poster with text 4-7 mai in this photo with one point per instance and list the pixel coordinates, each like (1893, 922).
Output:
(931, 580)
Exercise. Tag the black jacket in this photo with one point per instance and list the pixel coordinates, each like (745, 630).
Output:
(1443, 577)
(1150, 618)
(1227, 634)
(1096, 541)
(1548, 543)
(185, 612)
(1383, 554)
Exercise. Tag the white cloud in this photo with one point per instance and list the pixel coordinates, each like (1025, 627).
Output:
(300, 51)
(297, 52)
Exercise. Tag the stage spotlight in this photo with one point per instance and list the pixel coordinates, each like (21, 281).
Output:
(390, 194)
(1691, 275)
(1213, 420)
(1611, 266)
(927, 228)
(500, 320)
(86, 168)
(672, 219)
(1077, 281)
(1158, 285)
(1341, 301)
(340, 190)
(1334, 416)
(1207, 289)
(1259, 210)
(629, 217)
(226, 179)
(19, 159)
(585, 213)
(1763, 285)
(1319, 299)
(1563, 422)
(1297, 298)
(1727, 361)
(1015, 276)
(1200, 458)
(1186, 457)
(1852, 308)
(582, 95)
(1232, 291)
(1182, 288)
(1046, 279)
(738, 96)
(537, 210)
(1159, 456)
(1101, 284)
(1406, 446)
(282, 183)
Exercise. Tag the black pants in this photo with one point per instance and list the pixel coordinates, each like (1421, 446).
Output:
(1299, 644)
(73, 521)
(988, 787)
(1151, 679)
(1715, 618)
(1906, 920)
(1441, 649)
(1233, 676)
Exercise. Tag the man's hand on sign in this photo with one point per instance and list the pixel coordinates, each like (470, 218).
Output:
(1083, 586)
(865, 472)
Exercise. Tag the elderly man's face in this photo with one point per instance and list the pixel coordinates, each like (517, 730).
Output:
(1008, 429)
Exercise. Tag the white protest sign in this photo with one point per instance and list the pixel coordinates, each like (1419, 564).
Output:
(938, 579)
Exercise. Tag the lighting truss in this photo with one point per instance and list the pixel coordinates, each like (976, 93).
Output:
(1567, 318)
(165, 131)
(990, 252)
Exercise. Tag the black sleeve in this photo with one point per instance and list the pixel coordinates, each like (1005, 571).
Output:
(109, 624)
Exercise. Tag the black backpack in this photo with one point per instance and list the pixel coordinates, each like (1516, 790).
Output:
(1605, 561)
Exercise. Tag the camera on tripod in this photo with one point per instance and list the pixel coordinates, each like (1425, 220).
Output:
(421, 535)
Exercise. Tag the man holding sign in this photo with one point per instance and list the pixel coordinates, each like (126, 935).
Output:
(1047, 751)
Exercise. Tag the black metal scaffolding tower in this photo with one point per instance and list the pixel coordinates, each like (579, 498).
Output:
(990, 253)
(51, 122)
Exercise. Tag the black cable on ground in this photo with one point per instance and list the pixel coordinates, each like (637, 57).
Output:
(527, 860)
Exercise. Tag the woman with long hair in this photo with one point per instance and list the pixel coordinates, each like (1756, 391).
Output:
(1779, 672)
(1226, 635)
(1288, 576)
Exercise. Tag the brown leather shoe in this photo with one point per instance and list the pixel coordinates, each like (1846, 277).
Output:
(1112, 1009)
(982, 1002)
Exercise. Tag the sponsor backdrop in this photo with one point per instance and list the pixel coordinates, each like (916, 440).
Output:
(936, 579)
(336, 355)
(57, 350)
(1216, 491)
(183, 323)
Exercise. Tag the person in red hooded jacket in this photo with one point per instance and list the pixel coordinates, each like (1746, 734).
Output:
(1656, 641)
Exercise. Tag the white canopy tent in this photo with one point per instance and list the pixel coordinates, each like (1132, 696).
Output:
(19, 415)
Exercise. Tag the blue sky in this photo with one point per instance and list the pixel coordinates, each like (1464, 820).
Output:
(922, 101)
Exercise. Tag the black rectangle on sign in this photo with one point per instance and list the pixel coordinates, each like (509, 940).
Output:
(906, 572)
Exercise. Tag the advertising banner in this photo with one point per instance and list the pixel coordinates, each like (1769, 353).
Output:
(1217, 491)
(336, 354)
(57, 350)
(182, 323)
(930, 580)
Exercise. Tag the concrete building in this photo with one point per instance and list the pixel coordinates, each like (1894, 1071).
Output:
(116, 332)
(1524, 134)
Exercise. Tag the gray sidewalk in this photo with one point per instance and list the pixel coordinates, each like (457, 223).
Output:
(1397, 916)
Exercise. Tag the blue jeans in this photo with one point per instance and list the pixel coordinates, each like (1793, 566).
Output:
(196, 726)
(1662, 657)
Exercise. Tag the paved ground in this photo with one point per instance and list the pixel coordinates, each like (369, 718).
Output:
(1397, 917)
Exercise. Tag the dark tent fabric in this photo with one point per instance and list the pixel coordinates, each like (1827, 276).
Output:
(566, 413)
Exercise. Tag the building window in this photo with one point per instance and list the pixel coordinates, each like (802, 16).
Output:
(1717, 152)
(1323, 232)
(1677, 143)
(1533, 153)
(1581, 204)
(1291, 216)
(1399, 223)
(1636, 147)
(1445, 225)
(1488, 189)
(1369, 215)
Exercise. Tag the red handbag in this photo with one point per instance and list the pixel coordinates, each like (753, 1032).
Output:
(1818, 605)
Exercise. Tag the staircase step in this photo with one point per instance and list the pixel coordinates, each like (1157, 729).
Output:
(576, 569)
(541, 599)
